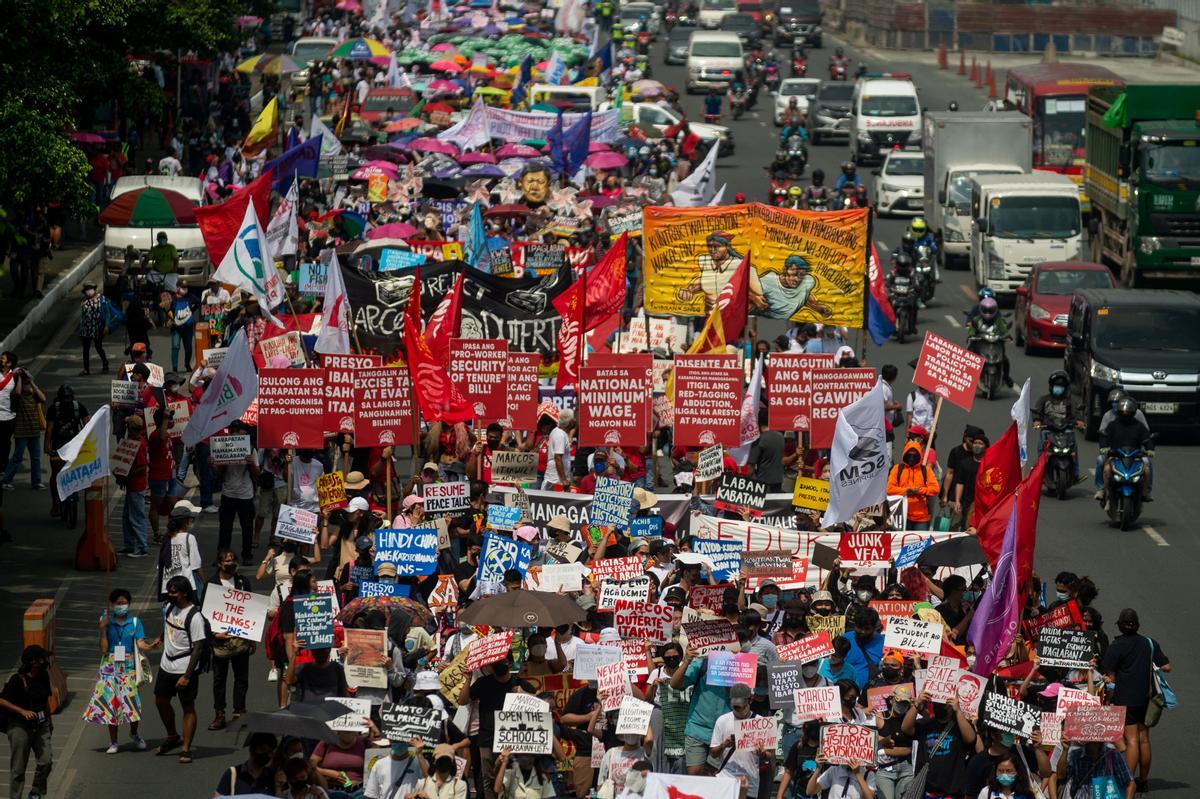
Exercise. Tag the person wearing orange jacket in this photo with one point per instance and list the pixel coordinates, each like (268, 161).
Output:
(915, 480)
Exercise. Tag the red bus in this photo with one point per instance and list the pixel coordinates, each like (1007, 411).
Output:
(1054, 97)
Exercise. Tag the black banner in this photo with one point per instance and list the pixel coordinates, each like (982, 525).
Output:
(1065, 648)
(404, 722)
(738, 492)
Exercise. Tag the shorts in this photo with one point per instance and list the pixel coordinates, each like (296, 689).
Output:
(164, 686)
(695, 753)
(1135, 715)
(161, 488)
(266, 503)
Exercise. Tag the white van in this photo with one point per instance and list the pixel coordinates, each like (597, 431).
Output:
(713, 11)
(193, 255)
(569, 98)
(714, 57)
(885, 115)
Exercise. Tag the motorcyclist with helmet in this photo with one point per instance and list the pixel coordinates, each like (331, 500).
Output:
(1057, 408)
(712, 104)
(793, 127)
(924, 238)
(1110, 414)
(984, 293)
(839, 59)
(849, 175)
(1126, 432)
(739, 198)
(778, 168)
(989, 320)
(902, 266)
(817, 194)
(795, 197)
(792, 117)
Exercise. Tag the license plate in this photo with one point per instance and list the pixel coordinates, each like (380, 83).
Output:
(1194, 261)
(1161, 407)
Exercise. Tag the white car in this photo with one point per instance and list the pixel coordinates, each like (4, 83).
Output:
(802, 89)
(660, 118)
(900, 183)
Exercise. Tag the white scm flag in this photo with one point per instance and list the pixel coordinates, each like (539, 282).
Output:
(858, 461)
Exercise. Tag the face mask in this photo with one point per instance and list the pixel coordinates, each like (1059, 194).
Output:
(770, 601)
(1006, 779)
(864, 596)
(387, 579)
(672, 662)
(809, 671)
(598, 467)
(229, 568)
(1061, 596)
(848, 701)
(538, 651)
(260, 758)
(900, 708)
(89, 293)
(120, 610)
(977, 449)
(891, 672)
(1058, 391)
(400, 749)
(631, 740)
(912, 460)
(296, 755)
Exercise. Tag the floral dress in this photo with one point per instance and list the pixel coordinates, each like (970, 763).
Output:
(115, 698)
(91, 317)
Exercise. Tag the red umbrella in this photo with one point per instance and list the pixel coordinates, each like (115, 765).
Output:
(83, 137)
(609, 160)
(445, 66)
(513, 209)
(394, 230)
(476, 158)
(149, 207)
(428, 144)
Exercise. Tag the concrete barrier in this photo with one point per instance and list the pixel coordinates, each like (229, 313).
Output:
(54, 292)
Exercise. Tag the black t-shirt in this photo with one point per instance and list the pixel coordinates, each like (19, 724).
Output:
(801, 762)
(1128, 659)
(965, 466)
(950, 614)
(30, 693)
(490, 693)
(891, 729)
(580, 703)
(246, 784)
(948, 763)
(315, 682)
(287, 616)
(67, 419)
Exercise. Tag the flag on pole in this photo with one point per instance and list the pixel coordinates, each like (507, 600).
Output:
(699, 187)
(445, 322)
(719, 197)
(250, 265)
(85, 457)
(437, 396)
(998, 474)
(233, 388)
(330, 146)
(998, 615)
(575, 143)
(728, 317)
(569, 305)
(334, 334)
(283, 233)
(219, 224)
(881, 318)
(1020, 414)
(264, 132)
(750, 428)
(476, 244)
(1027, 499)
(858, 461)
(299, 161)
(555, 69)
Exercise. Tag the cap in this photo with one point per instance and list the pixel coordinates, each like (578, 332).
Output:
(184, 508)
(362, 543)
(1128, 616)
(645, 499)
(765, 584)
(526, 532)
(356, 480)
(758, 608)
(385, 570)
(429, 466)
(559, 522)
(413, 499)
(821, 596)
(739, 695)
(441, 750)
(548, 408)
(1051, 690)
(359, 503)
(917, 430)
(902, 693)
(426, 681)
(893, 657)
(609, 635)
(674, 594)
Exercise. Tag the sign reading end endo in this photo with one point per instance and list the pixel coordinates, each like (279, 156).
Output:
(948, 370)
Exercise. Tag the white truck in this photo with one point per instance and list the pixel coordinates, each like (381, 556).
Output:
(1019, 221)
(885, 115)
(959, 146)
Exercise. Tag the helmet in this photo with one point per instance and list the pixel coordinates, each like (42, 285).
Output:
(908, 238)
(1126, 407)
(739, 198)
(644, 150)
(988, 308)
(1059, 378)
(66, 392)
(919, 227)
(903, 262)
(848, 169)
(1115, 396)
(953, 106)
(795, 191)
(818, 177)
(838, 52)
(986, 292)
(793, 103)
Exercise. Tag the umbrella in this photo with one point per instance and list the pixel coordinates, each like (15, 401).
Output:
(445, 66)
(428, 144)
(476, 158)
(247, 21)
(252, 63)
(647, 88)
(87, 138)
(299, 719)
(601, 201)
(963, 550)
(349, 5)
(482, 171)
(149, 207)
(598, 147)
(420, 614)
(490, 91)
(609, 160)
(523, 609)
(359, 49)
(443, 86)
(443, 47)
(516, 151)
(396, 230)
(442, 189)
(431, 108)
(378, 168)
(401, 125)
(512, 209)
(280, 65)
(381, 152)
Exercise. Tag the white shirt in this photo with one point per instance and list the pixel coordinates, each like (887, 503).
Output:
(616, 764)
(362, 89)
(6, 394)
(743, 762)
(176, 649)
(558, 447)
(392, 779)
(304, 476)
(169, 165)
(840, 783)
(921, 408)
(185, 558)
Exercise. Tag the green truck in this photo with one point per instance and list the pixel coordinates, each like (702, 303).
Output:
(1143, 177)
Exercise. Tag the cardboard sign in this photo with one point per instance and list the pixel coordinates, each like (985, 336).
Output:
(1073, 697)
(865, 550)
(237, 613)
(296, 524)
(833, 624)
(842, 743)
(757, 732)
(1094, 723)
(366, 656)
(124, 392)
(767, 563)
(564, 552)
(446, 499)
(370, 588)
(612, 591)
(331, 491)
(225, 450)
(555, 577)
(590, 657)
(617, 569)
(479, 368)
(503, 517)
(941, 679)
(971, 688)
(1005, 714)
(356, 719)
(179, 414)
(726, 556)
(707, 405)
(729, 668)
(213, 356)
(807, 649)
(643, 621)
(612, 503)
(501, 554)
(340, 372)
(1051, 726)
(612, 683)
(710, 463)
(446, 592)
(489, 649)
(291, 408)
(790, 379)
(314, 621)
(739, 494)
(910, 552)
(832, 390)
(613, 402)
(414, 552)
(525, 732)
(1065, 648)
(913, 635)
(890, 608)
(783, 680)
(877, 697)
(948, 370)
(313, 277)
(646, 527)
(634, 716)
(383, 409)
(708, 597)
(404, 722)
(124, 455)
(817, 704)
(288, 345)
(522, 391)
(811, 493)
(710, 634)
(514, 467)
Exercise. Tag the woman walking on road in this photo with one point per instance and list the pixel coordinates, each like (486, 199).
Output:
(25, 713)
(91, 327)
(229, 651)
(115, 699)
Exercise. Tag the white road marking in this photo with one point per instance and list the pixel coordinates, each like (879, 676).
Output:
(953, 322)
(1155, 537)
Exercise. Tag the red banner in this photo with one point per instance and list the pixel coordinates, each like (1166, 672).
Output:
(291, 408)
(479, 368)
(339, 388)
(789, 380)
(522, 390)
(948, 370)
(384, 411)
(612, 402)
(832, 390)
(708, 406)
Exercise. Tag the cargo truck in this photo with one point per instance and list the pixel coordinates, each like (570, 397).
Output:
(1143, 176)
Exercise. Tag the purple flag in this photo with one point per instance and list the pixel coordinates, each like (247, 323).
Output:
(998, 616)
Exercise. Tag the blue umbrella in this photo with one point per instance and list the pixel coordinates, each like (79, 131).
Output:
(482, 171)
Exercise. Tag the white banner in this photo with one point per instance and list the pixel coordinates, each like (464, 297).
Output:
(514, 126)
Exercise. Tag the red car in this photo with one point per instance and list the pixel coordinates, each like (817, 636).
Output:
(1045, 297)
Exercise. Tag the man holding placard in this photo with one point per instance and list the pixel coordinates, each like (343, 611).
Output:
(237, 499)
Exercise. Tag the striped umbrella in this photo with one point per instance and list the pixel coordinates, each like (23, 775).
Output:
(149, 207)
(360, 49)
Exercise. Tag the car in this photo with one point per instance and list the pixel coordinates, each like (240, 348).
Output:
(660, 118)
(1044, 299)
(829, 111)
(356, 131)
(900, 184)
(1147, 341)
(188, 240)
(632, 15)
(308, 49)
(802, 89)
(744, 25)
(799, 21)
(676, 51)
(375, 108)
(714, 57)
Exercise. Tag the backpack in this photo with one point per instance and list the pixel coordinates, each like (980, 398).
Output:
(274, 646)
(204, 659)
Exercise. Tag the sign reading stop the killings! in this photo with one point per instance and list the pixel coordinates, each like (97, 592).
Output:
(522, 392)
(948, 370)
(339, 388)
(613, 410)
(789, 376)
(707, 405)
(291, 408)
(479, 367)
(832, 390)
(383, 414)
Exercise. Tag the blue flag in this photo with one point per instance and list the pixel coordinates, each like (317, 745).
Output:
(524, 75)
(575, 143)
(554, 140)
(604, 55)
(477, 240)
(300, 161)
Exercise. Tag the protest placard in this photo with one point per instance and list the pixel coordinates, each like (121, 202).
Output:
(913, 635)
(877, 697)
(832, 390)
(400, 722)
(314, 621)
(514, 467)
(729, 668)
(633, 717)
(213, 356)
(525, 732)
(291, 408)
(617, 569)
(767, 563)
(817, 704)
(811, 493)
(806, 649)
(911, 551)
(834, 624)
(157, 374)
(178, 415)
(383, 407)
(237, 613)
(124, 392)
(612, 683)
(366, 658)
(446, 499)
(479, 368)
(633, 652)
(453, 676)
(555, 577)
(489, 649)
(414, 552)
(708, 597)
(710, 634)
(941, 679)
(445, 594)
(501, 554)
(1064, 616)
(707, 404)
(789, 376)
(783, 679)
(646, 527)
(971, 688)
(589, 657)
(313, 277)
(1002, 713)
(503, 517)
(757, 732)
(515, 701)
(635, 590)
(356, 719)
(865, 550)
(331, 491)
(522, 391)
(341, 372)
(287, 344)
(726, 556)
(1073, 697)
(1051, 726)
(370, 588)
(124, 455)
(612, 503)
(843, 743)
(890, 608)
(949, 370)
(643, 621)
(796, 580)
(1094, 723)
(1061, 647)
(564, 552)
(741, 494)
(614, 401)
(225, 450)
(710, 463)
(296, 524)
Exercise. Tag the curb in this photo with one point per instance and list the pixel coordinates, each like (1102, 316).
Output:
(68, 281)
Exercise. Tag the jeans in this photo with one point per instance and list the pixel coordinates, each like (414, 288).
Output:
(22, 739)
(243, 510)
(241, 681)
(893, 783)
(181, 337)
(34, 445)
(133, 521)
(204, 473)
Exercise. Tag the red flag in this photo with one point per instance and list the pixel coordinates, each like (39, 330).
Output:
(605, 284)
(444, 323)
(569, 305)
(728, 317)
(437, 397)
(598, 337)
(219, 223)
(990, 529)
(997, 477)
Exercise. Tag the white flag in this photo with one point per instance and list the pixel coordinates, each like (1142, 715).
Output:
(233, 388)
(858, 461)
(471, 131)
(719, 197)
(750, 430)
(681, 786)
(1020, 415)
(330, 146)
(250, 265)
(699, 187)
(85, 457)
(284, 233)
(334, 335)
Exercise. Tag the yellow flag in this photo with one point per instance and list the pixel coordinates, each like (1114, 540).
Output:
(265, 131)
(712, 334)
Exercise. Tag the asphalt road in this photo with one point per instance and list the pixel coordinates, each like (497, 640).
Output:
(1147, 568)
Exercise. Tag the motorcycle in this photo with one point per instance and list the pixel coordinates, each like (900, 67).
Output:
(799, 64)
(818, 199)
(737, 104)
(797, 156)
(779, 189)
(1061, 459)
(642, 43)
(837, 70)
(771, 76)
(903, 298)
(989, 345)
(1123, 486)
(847, 198)
(924, 264)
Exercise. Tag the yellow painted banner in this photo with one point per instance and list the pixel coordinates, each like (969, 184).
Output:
(811, 493)
(809, 266)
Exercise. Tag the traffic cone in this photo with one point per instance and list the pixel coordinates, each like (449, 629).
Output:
(987, 71)
(962, 62)
(943, 61)
(991, 85)
(974, 72)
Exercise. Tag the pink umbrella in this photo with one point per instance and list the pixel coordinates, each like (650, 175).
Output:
(476, 158)
(517, 151)
(446, 66)
(365, 172)
(443, 85)
(395, 230)
(428, 144)
(349, 5)
(609, 160)
(87, 138)
(443, 47)
(598, 147)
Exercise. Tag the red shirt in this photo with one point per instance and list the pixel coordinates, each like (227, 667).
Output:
(162, 463)
(138, 480)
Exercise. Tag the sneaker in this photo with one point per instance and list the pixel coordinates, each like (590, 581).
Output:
(273, 675)
(139, 743)
(8, 486)
(112, 749)
(125, 551)
(39, 487)
(211, 509)
(137, 554)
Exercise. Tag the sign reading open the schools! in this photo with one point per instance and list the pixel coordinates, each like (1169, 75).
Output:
(739, 494)
(612, 502)
(707, 404)
(229, 449)
(789, 377)
(522, 393)
(525, 732)
(832, 390)
(237, 613)
(446, 499)
(948, 370)
(291, 408)
(479, 367)
(613, 402)
(413, 551)
(340, 371)
(383, 411)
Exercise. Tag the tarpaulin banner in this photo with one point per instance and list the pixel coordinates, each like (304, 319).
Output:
(291, 408)
(708, 406)
(808, 266)
(832, 390)
(538, 258)
(789, 384)
(339, 388)
(383, 407)
(612, 402)
(519, 125)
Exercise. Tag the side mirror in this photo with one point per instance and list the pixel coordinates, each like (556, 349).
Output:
(981, 223)
(941, 197)
(1022, 290)
(1076, 340)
